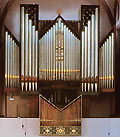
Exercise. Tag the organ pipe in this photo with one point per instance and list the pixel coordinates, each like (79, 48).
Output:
(6, 58)
(107, 62)
(86, 57)
(29, 52)
(112, 71)
(96, 47)
(83, 58)
(22, 47)
(33, 56)
(36, 59)
(59, 48)
(89, 53)
(93, 52)
(90, 41)
(11, 61)
(26, 51)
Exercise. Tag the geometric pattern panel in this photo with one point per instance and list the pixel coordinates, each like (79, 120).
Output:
(65, 121)
(70, 131)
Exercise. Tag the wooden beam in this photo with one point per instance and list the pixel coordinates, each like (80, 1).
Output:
(3, 16)
(108, 11)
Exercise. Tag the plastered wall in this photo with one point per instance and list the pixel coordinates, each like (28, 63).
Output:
(90, 127)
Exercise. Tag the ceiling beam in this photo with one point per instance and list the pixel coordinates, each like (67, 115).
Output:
(108, 11)
(3, 16)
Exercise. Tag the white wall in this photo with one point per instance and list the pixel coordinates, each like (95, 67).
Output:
(101, 127)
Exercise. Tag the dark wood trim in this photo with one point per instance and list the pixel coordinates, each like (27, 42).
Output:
(3, 16)
(5, 96)
(101, 43)
(108, 90)
(15, 91)
(65, 22)
(14, 38)
(109, 13)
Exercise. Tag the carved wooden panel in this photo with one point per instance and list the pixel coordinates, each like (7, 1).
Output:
(55, 121)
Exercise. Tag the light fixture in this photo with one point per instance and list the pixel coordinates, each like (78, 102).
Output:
(11, 97)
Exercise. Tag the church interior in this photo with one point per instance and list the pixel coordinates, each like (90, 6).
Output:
(60, 62)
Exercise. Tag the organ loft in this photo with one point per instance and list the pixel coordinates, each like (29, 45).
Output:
(59, 69)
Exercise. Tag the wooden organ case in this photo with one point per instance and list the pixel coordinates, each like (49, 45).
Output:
(59, 60)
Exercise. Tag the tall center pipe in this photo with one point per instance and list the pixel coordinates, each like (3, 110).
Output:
(22, 47)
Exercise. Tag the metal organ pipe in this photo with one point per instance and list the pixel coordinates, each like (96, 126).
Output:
(83, 59)
(61, 52)
(93, 52)
(11, 62)
(96, 48)
(6, 59)
(64, 52)
(105, 65)
(13, 43)
(29, 49)
(22, 47)
(106, 62)
(47, 55)
(89, 55)
(51, 55)
(26, 51)
(86, 57)
(54, 57)
(29, 52)
(67, 55)
(89, 72)
(110, 59)
(112, 71)
(61, 48)
(56, 54)
(36, 59)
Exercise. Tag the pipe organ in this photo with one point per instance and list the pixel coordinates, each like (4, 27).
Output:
(89, 45)
(59, 50)
(11, 60)
(59, 57)
(106, 62)
(29, 47)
